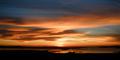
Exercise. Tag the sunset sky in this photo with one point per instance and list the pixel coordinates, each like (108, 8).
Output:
(60, 23)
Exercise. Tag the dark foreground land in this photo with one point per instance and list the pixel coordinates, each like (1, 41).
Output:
(45, 55)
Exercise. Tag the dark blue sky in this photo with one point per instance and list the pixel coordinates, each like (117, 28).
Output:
(45, 8)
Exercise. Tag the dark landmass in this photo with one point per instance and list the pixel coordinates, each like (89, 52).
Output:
(51, 56)
(43, 53)
(52, 47)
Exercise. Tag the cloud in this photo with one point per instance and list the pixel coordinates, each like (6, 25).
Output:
(10, 43)
(46, 37)
(63, 23)
(52, 28)
(54, 8)
(57, 22)
(22, 33)
(65, 42)
(32, 33)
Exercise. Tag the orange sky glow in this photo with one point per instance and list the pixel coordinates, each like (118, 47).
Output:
(57, 27)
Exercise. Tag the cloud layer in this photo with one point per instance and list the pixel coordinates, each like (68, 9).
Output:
(62, 31)
(60, 22)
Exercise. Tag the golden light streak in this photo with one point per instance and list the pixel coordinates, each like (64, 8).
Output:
(64, 42)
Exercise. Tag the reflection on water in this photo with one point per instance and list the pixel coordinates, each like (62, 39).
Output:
(86, 50)
(66, 50)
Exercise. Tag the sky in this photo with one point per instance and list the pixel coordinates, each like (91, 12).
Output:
(60, 23)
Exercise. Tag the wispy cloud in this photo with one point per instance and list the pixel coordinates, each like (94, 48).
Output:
(60, 23)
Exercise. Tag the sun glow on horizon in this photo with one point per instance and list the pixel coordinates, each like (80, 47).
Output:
(69, 41)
